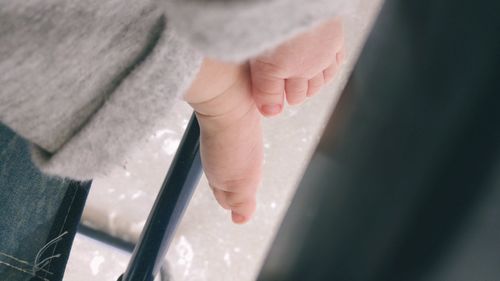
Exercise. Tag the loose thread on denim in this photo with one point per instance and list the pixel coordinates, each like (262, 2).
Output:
(24, 271)
(46, 261)
(44, 264)
(22, 261)
(64, 224)
(38, 264)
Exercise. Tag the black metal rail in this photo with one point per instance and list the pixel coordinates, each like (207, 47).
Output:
(174, 196)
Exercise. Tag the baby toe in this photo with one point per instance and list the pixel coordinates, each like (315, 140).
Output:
(220, 197)
(242, 212)
(329, 73)
(268, 92)
(296, 90)
(315, 84)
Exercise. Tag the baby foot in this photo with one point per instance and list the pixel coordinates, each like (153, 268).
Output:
(298, 68)
(231, 141)
(231, 154)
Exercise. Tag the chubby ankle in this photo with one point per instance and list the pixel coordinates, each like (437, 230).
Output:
(233, 106)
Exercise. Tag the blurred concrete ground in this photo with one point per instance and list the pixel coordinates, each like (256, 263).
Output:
(207, 245)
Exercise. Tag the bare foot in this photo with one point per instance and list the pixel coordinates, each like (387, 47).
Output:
(231, 138)
(298, 68)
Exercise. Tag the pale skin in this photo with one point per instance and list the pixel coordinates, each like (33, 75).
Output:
(229, 100)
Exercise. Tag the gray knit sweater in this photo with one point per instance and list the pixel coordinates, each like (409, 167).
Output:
(85, 80)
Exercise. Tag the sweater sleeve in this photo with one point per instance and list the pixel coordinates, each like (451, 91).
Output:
(134, 111)
(235, 30)
(87, 82)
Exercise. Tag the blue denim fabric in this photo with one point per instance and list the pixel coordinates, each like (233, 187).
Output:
(38, 215)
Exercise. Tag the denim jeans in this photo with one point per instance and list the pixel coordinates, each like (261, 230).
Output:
(39, 215)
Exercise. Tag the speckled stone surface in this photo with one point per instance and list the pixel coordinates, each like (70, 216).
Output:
(207, 245)
(94, 260)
